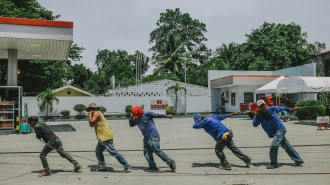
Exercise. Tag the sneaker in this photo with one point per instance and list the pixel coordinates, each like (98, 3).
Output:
(173, 166)
(45, 173)
(152, 168)
(225, 167)
(77, 168)
(248, 162)
(297, 164)
(127, 166)
(270, 167)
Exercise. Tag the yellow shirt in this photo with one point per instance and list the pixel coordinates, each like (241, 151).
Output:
(103, 130)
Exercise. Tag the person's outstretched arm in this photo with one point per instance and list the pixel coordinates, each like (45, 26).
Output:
(278, 109)
(224, 116)
(156, 115)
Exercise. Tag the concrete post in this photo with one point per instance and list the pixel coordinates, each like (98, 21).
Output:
(12, 68)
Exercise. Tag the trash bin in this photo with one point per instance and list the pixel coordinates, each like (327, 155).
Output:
(24, 127)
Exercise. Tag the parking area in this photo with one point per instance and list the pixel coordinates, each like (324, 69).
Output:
(192, 149)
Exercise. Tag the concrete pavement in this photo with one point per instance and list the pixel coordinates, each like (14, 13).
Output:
(192, 149)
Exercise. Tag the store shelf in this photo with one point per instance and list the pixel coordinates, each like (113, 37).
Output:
(6, 120)
(7, 111)
(7, 116)
(8, 128)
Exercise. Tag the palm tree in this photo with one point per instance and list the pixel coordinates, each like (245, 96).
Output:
(47, 97)
(175, 88)
(172, 60)
(224, 54)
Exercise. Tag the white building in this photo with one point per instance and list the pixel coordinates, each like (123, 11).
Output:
(230, 88)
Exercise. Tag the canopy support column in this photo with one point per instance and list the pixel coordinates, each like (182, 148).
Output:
(12, 68)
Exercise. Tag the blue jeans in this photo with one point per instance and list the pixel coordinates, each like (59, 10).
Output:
(151, 146)
(100, 147)
(279, 139)
(229, 143)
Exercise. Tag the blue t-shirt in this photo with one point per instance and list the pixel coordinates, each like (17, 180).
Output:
(270, 121)
(212, 125)
(146, 124)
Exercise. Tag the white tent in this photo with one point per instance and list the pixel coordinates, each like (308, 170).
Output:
(271, 87)
(304, 85)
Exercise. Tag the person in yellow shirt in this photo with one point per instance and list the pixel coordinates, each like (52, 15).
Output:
(104, 136)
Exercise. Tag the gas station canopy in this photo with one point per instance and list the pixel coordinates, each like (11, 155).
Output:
(32, 39)
(35, 39)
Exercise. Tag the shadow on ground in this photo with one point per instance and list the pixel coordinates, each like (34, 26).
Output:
(109, 169)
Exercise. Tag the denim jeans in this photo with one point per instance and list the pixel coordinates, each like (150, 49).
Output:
(57, 144)
(151, 146)
(229, 143)
(100, 147)
(279, 139)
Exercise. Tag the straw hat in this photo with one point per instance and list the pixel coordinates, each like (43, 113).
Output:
(92, 105)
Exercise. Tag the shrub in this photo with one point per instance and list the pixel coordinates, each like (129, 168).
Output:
(127, 109)
(65, 113)
(170, 110)
(79, 108)
(102, 109)
(309, 109)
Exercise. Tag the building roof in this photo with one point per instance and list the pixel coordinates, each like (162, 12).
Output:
(72, 87)
(159, 88)
(35, 39)
(245, 79)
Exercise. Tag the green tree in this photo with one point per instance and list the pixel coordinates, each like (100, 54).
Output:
(173, 58)
(154, 77)
(46, 99)
(274, 46)
(96, 84)
(175, 89)
(187, 30)
(223, 56)
(30, 9)
(120, 64)
(78, 74)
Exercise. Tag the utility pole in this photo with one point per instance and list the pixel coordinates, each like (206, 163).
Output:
(185, 86)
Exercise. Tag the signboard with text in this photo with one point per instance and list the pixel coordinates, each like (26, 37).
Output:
(158, 104)
(322, 119)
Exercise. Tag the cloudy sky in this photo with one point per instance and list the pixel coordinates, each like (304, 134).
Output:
(126, 24)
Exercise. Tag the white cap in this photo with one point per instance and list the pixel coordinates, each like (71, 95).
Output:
(260, 102)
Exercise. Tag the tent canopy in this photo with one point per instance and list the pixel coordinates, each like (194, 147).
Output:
(271, 87)
(304, 85)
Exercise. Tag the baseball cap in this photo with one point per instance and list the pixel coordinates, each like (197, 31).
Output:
(260, 102)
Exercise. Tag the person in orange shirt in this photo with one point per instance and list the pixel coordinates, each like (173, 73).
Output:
(104, 136)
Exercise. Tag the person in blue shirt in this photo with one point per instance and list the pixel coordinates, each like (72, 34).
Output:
(222, 135)
(145, 122)
(269, 120)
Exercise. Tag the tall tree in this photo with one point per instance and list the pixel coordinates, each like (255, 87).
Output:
(223, 56)
(188, 30)
(120, 64)
(175, 89)
(30, 9)
(275, 46)
(173, 58)
(78, 74)
(46, 99)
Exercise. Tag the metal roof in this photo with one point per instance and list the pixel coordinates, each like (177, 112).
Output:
(35, 39)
